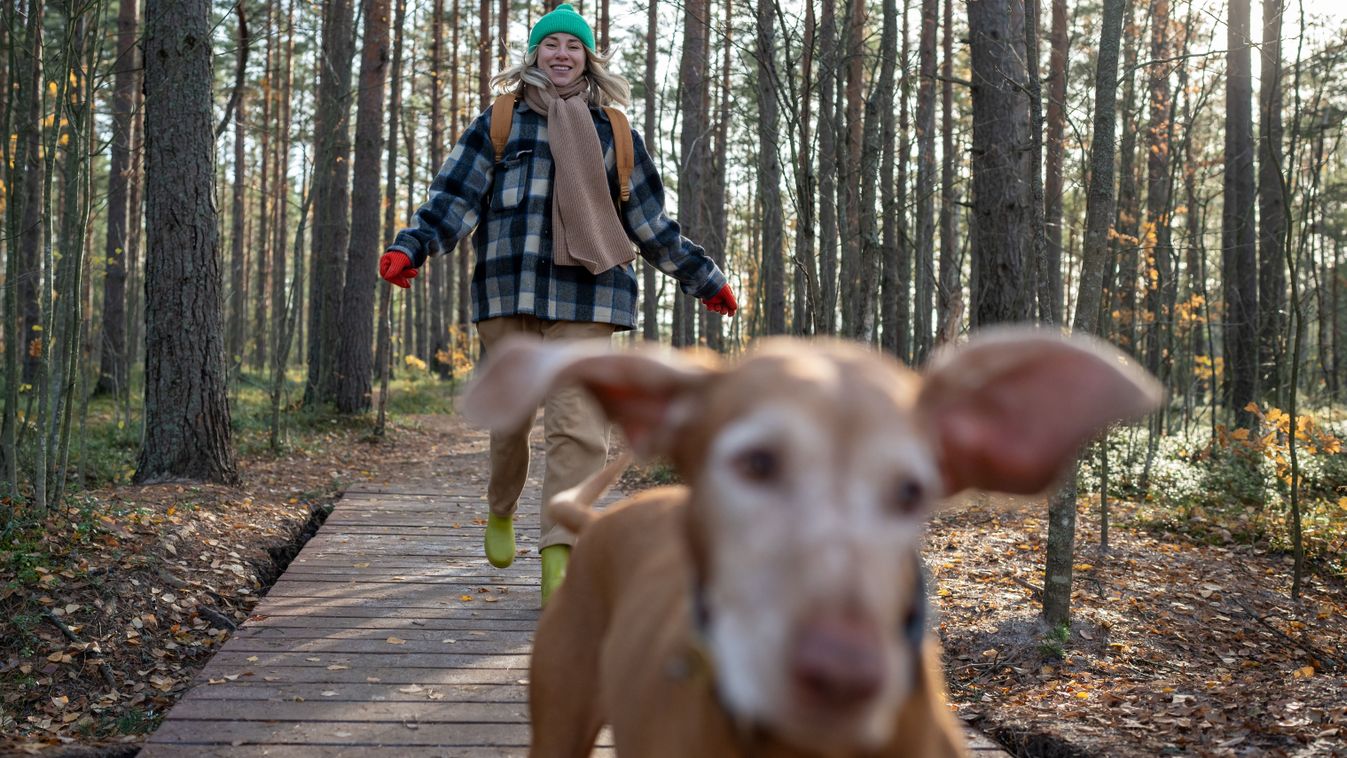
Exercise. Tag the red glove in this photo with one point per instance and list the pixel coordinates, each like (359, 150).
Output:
(722, 302)
(396, 267)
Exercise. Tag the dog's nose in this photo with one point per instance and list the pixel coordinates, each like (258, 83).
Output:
(837, 663)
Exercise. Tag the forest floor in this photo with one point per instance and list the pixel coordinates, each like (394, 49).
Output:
(1177, 647)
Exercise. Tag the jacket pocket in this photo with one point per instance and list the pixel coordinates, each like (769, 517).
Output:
(512, 178)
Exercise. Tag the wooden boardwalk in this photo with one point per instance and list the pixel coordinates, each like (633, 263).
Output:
(389, 635)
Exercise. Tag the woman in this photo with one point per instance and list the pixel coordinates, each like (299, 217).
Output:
(553, 245)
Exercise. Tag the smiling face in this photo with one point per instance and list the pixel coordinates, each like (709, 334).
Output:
(810, 507)
(562, 57)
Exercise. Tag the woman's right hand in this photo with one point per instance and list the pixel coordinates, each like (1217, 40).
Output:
(396, 267)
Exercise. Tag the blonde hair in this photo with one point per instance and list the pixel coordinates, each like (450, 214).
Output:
(605, 87)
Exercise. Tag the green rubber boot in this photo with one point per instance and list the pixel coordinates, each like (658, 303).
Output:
(554, 568)
(500, 540)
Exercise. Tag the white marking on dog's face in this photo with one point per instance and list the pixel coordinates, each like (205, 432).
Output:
(815, 511)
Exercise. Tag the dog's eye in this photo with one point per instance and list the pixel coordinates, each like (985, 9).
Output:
(908, 496)
(758, 464)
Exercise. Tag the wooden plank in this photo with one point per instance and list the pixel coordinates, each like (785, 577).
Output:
(361, 692)
(382, 646)
(384, 734)
(248, 672)
(253, 635)
(393, 659)
(460, 623)
(330, 710)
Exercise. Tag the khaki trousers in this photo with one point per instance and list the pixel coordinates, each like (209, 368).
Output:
(575, 431)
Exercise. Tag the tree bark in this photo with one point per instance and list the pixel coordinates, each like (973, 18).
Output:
(113, 361)
(1239, 268)
(649, 289)
(949, 296)
(694, 81)
(922, 329)
(1098, 213)
(859, 246)
(187, 427)
(1001, 188)
(1121, 279)
(1272, 222)
(895, 287)
(769, 172)
(332, 199)
(826, 315)
(355, 365)
(1056, 149)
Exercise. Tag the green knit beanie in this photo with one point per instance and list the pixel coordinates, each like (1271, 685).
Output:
(563, 19)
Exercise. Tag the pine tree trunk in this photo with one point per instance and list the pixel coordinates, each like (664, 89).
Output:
(438, 271)
(113, 362)
(280, 245)
(892, 194)
(383, 351)
(826, 315)
(1002, 234)
(1271, 212)
(1159, 277)
(238, 260)
(262, 252)
(694, 78)
(1098, 214)
(649, 291)
(332, 199)
(187, 428)
(924, 252)
(806, 184)
(769, 172)
(28, 73)
(859, 248)
(1239, 267)
(355, 364)
(949, 297)
(1056, 149)
(1122, 276)
(715, 242)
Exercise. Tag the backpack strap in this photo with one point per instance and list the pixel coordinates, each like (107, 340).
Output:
(622, 145)
(502, 116)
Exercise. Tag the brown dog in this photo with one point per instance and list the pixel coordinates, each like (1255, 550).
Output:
(775, 605)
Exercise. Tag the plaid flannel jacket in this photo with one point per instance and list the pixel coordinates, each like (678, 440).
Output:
(510, 205)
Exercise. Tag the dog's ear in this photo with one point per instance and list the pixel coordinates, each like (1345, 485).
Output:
(1010, 408)
(639, 389)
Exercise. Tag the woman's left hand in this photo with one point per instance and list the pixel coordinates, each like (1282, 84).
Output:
(722, 302)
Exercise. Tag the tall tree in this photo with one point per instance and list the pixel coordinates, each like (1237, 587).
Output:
(858, 245)
(895, 279)
(769, 172)
(113, 360)
(1001, 164)
(355, 362)
(1239, 267)
(694, 83)
(826, 317)
(1053, 158)
(1271, 210)
(384, 341)
(1159, 279)
(949, 296)
(649, 292)
(1120, 280)
(332, 199)
(187, 427)
(238, 255)
(924, 254)
(1098, 215)
(28, 205)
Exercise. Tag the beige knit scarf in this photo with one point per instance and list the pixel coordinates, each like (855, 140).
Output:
(585, 228)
